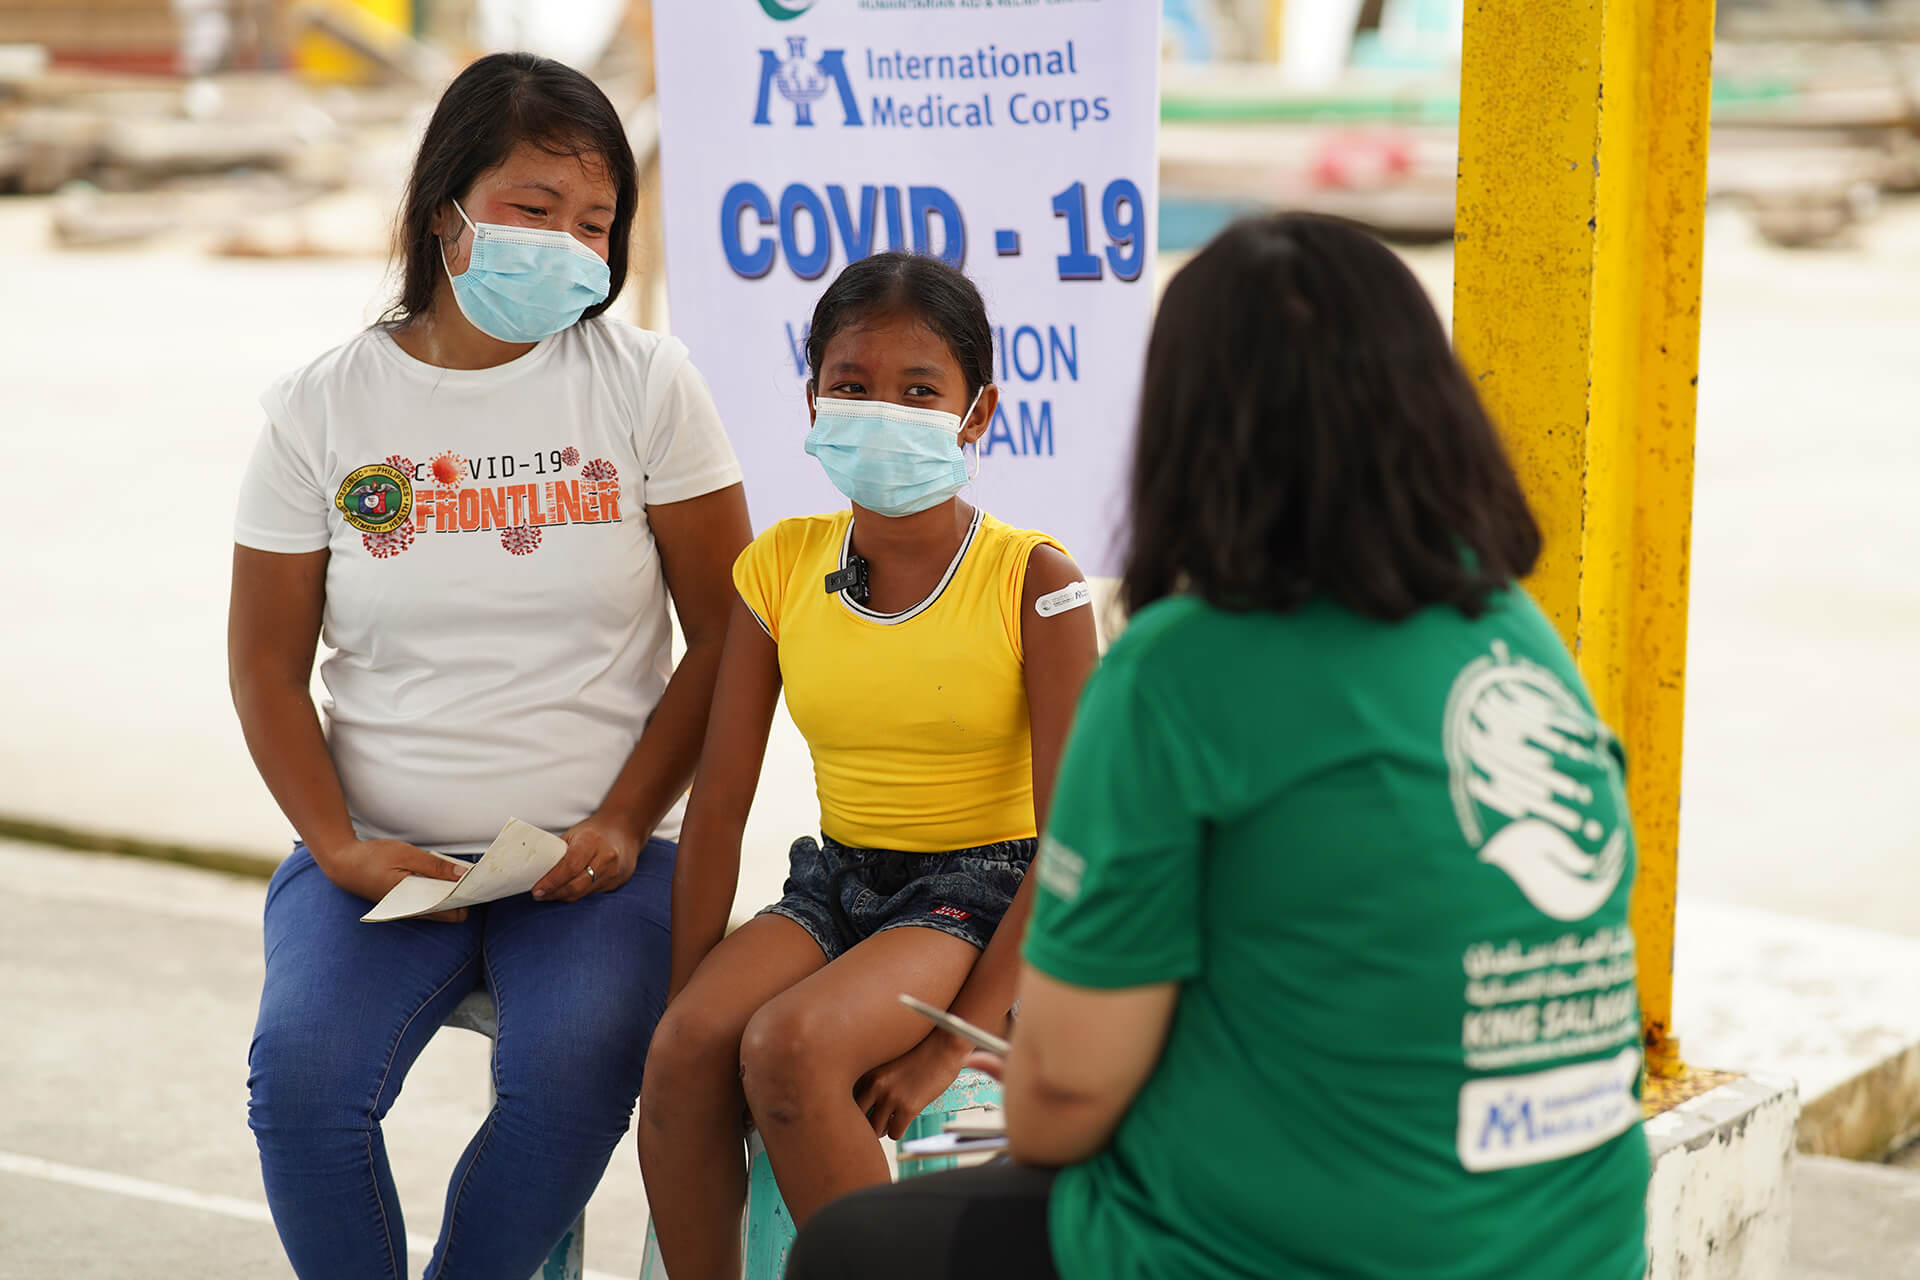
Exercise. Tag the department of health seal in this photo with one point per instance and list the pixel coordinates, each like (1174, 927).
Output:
(376, 498)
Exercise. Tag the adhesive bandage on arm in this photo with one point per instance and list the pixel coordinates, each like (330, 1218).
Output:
(1067, 598)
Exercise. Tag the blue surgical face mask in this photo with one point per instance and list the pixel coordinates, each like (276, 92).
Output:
(523, 284)
(890, 458)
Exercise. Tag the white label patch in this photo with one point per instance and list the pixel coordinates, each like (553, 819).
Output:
(1071, 596)
(1509, 1121)
(1060, 869)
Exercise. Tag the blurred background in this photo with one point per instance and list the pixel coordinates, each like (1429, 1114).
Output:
(196, 195)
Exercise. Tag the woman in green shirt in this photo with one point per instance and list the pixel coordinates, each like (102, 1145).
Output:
(1329, 972)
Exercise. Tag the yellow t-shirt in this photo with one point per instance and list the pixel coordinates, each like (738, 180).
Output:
(917, 721)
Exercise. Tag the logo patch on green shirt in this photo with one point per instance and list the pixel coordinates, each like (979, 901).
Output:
(1060, 869)
(1531, 776)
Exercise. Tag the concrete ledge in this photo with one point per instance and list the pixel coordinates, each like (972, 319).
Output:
(1718, 1206)
(1830, 1006)
(1867, 1116)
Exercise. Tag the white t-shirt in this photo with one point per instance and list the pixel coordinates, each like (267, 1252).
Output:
(495, 605)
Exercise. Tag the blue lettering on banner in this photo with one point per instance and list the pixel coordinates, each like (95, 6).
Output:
(928, 203)
(1017, 144)
(933, 112)
(797, 344)
(812, 263)
(807, 232)
(1024, 357)
(896, 224)
(1070, 357)
(744, 197)
(999, 433)
(1026, 331)
(1025, 109)
(1036, 435)
(804, 83)
(856, 236)
(1036, 430)
(982, 64)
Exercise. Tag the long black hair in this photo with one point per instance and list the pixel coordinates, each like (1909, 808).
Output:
(907, 284)
(492, 107)
(1306, 430)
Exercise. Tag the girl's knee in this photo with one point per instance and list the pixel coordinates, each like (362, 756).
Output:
(787, 1051)
(695, 1054)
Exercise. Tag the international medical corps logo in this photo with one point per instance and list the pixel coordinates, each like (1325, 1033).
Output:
(803, 83)
(1535, 784)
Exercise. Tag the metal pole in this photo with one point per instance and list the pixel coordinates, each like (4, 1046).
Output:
(1582, 189)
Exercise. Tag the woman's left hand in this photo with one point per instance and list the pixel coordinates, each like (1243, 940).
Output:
(895, 1093)
(601, 854)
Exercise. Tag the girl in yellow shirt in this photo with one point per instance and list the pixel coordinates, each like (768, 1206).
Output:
(931, 657)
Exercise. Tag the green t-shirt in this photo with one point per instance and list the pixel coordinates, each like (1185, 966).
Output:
(1388, 865)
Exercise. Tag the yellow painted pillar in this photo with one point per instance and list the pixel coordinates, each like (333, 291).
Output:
(1274, 37)
(1582, 185)
(321, 59)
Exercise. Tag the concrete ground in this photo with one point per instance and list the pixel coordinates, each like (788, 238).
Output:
(126, 989)
(1854, 1221)
(127, 994)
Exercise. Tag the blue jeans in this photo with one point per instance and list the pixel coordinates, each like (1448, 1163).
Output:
(346, 1009)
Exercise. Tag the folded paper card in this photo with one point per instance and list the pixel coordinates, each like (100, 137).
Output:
(515, 862)
(949, 1144)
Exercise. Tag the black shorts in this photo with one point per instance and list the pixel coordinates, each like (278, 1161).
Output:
(843, 896)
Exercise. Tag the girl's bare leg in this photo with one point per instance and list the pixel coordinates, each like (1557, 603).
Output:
(806, 1049)
(691, 1105)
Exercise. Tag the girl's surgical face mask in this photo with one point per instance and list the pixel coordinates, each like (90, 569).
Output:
(523, 284)
(890, 458)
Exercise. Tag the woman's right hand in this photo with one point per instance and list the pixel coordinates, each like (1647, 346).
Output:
(369, 868)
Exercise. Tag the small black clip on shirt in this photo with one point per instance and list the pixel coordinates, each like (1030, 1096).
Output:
(852, 580)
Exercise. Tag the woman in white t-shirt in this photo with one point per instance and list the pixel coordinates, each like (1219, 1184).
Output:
(485, 505)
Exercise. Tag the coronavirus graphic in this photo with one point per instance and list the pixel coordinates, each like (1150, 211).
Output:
(401, 463)
(521, 540)
(449, 468)
(569, 457)
(391, 543)
(599, 469)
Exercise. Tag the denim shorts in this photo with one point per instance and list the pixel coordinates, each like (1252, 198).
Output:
(844, 896)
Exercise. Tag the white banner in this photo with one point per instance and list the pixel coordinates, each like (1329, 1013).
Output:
(1015, 138)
